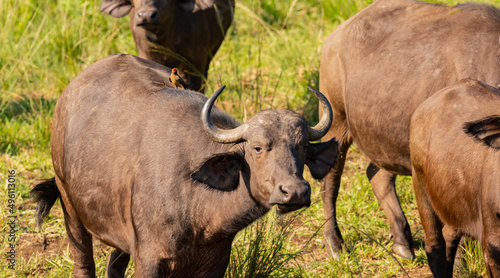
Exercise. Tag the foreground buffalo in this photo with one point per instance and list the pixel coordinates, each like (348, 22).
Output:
(376, 69)
(137, 168)
(454, 144)
(182, 34)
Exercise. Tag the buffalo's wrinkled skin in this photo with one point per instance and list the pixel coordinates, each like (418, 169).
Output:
(454, 144)
(376, 69)
(139, 169)
(182, 34)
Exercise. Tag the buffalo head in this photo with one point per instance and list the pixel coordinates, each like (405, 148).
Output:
(182, 34)
(270, 151)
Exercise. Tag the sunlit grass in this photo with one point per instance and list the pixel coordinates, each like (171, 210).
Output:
(270, 54)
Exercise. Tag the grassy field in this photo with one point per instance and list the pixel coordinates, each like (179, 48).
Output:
(270, 55)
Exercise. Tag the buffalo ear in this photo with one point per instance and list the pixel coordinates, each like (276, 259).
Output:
(321, 157)
(486, 130)
(221, 171)
(116, 8)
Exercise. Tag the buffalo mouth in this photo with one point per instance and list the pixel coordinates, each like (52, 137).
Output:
(282, 209)
(148, 26)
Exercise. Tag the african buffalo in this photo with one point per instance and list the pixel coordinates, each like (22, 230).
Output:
(454, 146)
(182, 34)
(138, 168)
(376, 69)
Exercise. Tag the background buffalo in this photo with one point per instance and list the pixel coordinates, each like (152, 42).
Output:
(182, 34)
(454, 142)
(376, 69)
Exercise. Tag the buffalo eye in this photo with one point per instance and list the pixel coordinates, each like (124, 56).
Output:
(258, 150)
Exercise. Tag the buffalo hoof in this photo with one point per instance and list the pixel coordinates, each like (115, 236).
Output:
(334, 254)
(333, 249)
(403, 251)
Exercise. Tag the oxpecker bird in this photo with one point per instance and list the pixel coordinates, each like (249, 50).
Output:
(177, 80)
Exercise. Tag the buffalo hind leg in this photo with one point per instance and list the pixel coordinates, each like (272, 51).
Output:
(491, 251)
(490, 241)
(80, 244)
(435, 244)
(384, 186)
(117, 264)
(452, 239)
(329, 192)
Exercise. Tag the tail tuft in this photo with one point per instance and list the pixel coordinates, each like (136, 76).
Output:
(45, 194)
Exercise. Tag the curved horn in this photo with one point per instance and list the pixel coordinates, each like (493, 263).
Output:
(215, 133)
(319, 130)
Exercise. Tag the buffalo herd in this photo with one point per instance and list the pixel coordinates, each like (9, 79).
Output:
(167, 179)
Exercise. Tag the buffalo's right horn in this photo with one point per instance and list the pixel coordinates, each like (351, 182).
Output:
(215, 133)
(319, 130)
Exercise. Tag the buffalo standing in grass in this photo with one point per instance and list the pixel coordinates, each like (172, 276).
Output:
(182, 34)
(139, 169)
(376, 69)
(454, 145)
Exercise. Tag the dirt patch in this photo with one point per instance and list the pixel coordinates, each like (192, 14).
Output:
(422, 272)
(30, 245)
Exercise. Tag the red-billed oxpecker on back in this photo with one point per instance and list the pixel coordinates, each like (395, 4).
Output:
(166, 178)
(182, 34)
(455, 155)
(177, 80)
(376, 68)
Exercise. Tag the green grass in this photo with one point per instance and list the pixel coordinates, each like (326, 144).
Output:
(269, 254)
(270, 54)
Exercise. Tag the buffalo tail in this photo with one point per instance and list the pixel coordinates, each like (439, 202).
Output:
(45, 194)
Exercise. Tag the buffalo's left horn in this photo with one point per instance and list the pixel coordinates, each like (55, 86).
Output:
(215, 133)
(319, 130)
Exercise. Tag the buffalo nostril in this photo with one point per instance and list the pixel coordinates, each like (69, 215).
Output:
(154, 15)
(291, 196)
(294, 191)
(147, 15)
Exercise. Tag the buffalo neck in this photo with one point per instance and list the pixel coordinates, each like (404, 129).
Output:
(223, 213)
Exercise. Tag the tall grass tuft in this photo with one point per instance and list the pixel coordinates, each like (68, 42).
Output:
(470, 262)
(261, 250)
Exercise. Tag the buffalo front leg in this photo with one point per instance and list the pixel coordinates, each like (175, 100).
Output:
(384, 187)
(329, 192)
(117, 264)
